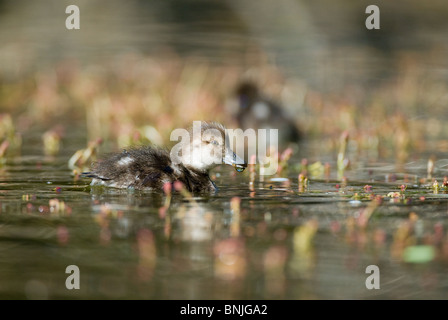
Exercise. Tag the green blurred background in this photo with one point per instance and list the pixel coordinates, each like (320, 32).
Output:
(324, 42)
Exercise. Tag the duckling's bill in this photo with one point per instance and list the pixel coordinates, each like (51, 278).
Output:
(232, 159)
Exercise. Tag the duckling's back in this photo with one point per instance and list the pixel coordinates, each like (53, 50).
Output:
(139, 168)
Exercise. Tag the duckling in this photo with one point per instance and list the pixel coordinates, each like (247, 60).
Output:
(149, 168)
(258, 112)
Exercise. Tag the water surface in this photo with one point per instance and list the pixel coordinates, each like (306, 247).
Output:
(281, 242)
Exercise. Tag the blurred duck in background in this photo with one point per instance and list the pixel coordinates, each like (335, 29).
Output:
(258, 112)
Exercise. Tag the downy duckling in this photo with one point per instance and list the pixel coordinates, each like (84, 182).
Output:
(258, 112)
(149, 168)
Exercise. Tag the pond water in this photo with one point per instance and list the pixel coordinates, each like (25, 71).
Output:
(274, 241)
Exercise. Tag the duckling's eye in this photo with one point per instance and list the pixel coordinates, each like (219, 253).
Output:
(214, 142)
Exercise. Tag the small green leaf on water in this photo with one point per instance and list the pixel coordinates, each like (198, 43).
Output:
(419, 254)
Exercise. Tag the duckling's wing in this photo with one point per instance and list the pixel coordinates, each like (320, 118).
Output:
(138, 167)
(150, 178)
(151, 167)
(112, 168)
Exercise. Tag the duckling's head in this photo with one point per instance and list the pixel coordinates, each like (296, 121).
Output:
(208, 147)
(247, 92)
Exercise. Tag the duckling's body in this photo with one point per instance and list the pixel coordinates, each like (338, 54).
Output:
(150, 167)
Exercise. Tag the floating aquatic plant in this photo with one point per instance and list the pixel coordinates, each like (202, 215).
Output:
(3, 147)
(430, 169)
(435, 187)
(302, 182)
(304, 167)
(342, 161)
(52, 142)
(283, 160)
(83, 157)
(316, 170)
(327, 171)
(10, 138)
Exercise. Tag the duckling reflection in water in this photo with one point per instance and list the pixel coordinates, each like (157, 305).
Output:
(149, 168)
(257, 112)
